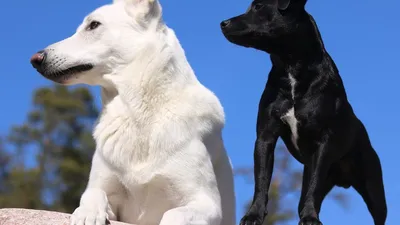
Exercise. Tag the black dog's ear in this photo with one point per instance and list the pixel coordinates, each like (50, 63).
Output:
(283, 4)
(300, 3)
(248, 9)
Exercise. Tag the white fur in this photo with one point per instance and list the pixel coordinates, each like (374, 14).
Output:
(290, 117)
(160, 158)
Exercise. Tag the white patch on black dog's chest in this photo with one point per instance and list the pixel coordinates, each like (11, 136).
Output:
(290, 118)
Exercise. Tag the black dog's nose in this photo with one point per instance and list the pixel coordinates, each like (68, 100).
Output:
(225, 23)
(37, 59)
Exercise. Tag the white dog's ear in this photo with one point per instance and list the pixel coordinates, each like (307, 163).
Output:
(149, 9)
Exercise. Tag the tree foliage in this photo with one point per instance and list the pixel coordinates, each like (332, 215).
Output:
(51, 151)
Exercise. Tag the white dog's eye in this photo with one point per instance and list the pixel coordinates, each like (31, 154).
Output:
(93, 25)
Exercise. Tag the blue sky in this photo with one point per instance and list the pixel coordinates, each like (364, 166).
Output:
(361, 36)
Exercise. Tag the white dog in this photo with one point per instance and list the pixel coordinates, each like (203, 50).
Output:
(160, 158)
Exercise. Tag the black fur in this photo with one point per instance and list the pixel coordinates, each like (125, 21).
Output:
(333, 144)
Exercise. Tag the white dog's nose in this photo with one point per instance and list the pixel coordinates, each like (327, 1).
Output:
(37, 59)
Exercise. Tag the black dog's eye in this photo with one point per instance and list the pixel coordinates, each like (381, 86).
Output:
(93, 25)
(258, 6)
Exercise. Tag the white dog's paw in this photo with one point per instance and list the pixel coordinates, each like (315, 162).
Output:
(89, 216)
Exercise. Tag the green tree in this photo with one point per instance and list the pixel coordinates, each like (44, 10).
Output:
(284, 192)
(16, 182)
(4, 172)
(58, 133)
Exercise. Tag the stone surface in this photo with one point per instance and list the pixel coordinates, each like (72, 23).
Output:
(36, 217)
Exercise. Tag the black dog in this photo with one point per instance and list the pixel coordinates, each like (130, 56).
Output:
(305, 103)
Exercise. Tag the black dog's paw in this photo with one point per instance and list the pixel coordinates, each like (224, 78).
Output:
(251, 219)
(310, 221)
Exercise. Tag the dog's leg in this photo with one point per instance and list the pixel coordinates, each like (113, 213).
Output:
(103, 188)
(329, 184)
(263, 168)
(369, 184)
(319, 183)
(268, 130)
(304, 187)
(198, 189)
(195, 213)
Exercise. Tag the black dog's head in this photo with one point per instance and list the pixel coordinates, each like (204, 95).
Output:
(268, 25)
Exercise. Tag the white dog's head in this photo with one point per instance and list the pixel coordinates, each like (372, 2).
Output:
(104, 43)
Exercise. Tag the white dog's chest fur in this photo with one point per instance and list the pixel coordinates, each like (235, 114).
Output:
(143, 153)
(125, 149)
(117, 135)
(290, 117)
(136, 148)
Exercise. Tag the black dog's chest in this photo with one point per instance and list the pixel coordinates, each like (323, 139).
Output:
(301, 118)
(289, 114)
(303, 113)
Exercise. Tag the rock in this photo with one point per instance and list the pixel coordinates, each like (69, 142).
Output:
(36, 217)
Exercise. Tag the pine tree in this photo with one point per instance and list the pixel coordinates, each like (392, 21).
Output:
(58, 133)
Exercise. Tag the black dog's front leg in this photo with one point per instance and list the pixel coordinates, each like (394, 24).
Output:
(268, 130)
(318, 185)
(263, 167)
